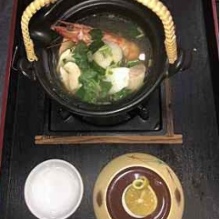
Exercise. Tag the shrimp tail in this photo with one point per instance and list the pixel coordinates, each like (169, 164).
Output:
(66, 34)
(73, 31)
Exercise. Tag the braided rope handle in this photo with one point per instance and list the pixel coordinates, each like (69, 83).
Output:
(31, 9)
(170, 36)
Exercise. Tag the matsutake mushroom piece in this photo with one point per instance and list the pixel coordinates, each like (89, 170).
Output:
(66, 44)
(65, 57)
(70, 74)
(136, 77)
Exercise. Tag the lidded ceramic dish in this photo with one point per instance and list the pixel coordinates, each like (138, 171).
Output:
(138, 185)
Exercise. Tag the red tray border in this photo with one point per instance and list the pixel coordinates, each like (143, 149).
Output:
(7, 74)
(215, 17)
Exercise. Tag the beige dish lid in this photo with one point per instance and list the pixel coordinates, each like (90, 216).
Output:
(116, 176)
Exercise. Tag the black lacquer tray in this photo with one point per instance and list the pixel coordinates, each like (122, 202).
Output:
(195, 162)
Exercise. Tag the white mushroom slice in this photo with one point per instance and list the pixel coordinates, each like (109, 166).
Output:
(70, 74)
(136, 77)
(117, 53)
(119, 77)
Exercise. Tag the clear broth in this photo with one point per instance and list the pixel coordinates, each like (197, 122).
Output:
(122, 27)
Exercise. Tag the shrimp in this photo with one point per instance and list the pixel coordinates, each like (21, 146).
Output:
(78, 32)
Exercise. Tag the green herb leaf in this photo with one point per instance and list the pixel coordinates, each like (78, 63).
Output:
(121, 94)
(96, 34)
(95, 45)
(135, 32)
(87, 75)
(98, 68)
(97, 42)
(81, 48)
(90, 92)
(89, 56)
(94, 88)
(80, 55)
(105, 88)
(80, 93)
(133, 63)
(141, 33)
(106, 51)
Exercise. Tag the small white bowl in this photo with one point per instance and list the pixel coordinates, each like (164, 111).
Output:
(53, 190)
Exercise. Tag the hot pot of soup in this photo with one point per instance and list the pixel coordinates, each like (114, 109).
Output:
(99, 58)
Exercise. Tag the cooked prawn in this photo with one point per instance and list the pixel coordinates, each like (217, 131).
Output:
(79, 32)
